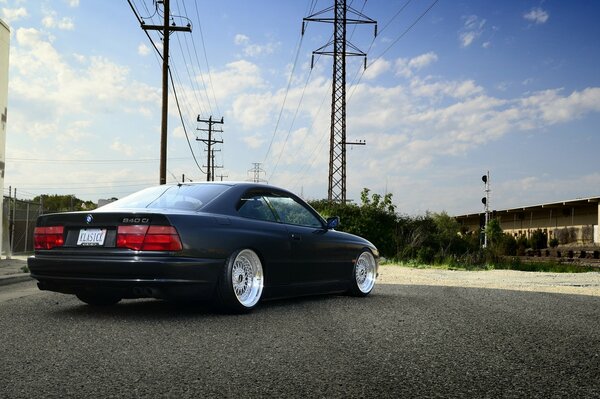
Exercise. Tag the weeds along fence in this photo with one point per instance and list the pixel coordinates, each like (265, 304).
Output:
(18, 219)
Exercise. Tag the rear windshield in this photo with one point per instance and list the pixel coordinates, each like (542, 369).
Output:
(190, 197)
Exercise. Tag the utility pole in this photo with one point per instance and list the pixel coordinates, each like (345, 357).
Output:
(213, 164)
(166, 28)
(209, 142)
(339, 48)
(256, 172)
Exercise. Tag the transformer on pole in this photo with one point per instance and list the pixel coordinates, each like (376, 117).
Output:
(339, 48)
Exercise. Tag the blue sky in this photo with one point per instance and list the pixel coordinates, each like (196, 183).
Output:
(512, 87)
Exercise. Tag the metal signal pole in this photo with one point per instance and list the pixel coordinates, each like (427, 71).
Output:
(339, 48)
(486, 202)
(166, 30)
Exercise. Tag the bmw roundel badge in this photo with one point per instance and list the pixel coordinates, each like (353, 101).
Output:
(89, 219)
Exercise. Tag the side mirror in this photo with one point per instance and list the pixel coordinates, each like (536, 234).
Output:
(333, 222)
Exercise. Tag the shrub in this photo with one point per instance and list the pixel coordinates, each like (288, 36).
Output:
(539, 240)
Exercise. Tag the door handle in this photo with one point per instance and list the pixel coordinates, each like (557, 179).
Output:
(295, 236)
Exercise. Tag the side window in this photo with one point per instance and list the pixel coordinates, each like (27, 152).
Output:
(292, 212)
(255, 207)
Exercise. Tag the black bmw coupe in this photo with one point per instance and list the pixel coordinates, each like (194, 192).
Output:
(235, 243)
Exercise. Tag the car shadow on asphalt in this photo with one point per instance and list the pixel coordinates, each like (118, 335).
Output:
(153, 309)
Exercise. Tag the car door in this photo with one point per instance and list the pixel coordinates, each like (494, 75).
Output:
(268, 235)
(313, 258)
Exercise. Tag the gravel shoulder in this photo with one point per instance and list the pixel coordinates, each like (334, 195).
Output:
(563, 283)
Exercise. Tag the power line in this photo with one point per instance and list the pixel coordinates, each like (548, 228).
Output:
(198, 63)
(394, 42)
(406, 31)
(317, 148)
(195, 90)
(85, 161)
(205, 57)
(299, 45)
(141, 24)
(291, 125)
(183, 123)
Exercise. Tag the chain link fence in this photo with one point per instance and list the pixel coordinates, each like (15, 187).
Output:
(19, 217)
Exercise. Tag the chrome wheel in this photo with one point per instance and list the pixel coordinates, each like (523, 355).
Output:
(365, 272)
(247, 278)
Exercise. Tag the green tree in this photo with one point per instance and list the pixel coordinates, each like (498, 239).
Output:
(539, 240)
(374, 219)
(447, 229)
(63, 203)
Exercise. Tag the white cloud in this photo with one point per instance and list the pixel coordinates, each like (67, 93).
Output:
(122, 148)
(240, 39)
(537, 15)
(422, 60)
(66, 23)
(550, 107)
(255, 50)
(13, 14)
(178, 132)
(236, 77)
(471, 30)
(252, 49)
(43, 76)
(143, 50)
(377, 68)
(73, 3)
(406, 67)
(255, 141)
(455, 89)
(51, 20)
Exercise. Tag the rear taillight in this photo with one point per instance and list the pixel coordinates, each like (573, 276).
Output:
(148, 238)
(48, 237)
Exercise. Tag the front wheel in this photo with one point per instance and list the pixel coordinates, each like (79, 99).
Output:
(241, 282)
(364, 274)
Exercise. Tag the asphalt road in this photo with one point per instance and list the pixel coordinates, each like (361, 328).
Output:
(403, 341)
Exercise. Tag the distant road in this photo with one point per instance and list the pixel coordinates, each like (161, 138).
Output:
(404, 341)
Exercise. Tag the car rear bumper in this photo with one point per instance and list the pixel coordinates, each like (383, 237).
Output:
(128, 277)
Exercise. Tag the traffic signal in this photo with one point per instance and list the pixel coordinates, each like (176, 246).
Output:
(483, 200)
(484, 178)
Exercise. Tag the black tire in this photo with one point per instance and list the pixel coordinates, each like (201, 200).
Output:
(364, 274)
(98, 299)
(241, 282)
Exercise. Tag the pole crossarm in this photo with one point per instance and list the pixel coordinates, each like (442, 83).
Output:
(171, 28)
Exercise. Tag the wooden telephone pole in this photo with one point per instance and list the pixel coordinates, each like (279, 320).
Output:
(166, 30)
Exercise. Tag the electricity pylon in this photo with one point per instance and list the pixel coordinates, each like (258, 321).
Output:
(339, 48)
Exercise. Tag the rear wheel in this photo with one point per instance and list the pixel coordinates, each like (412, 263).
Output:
(364, 274)
(98, 299)
(241, 282)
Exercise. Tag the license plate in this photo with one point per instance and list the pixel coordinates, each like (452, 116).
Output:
(91, 237)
